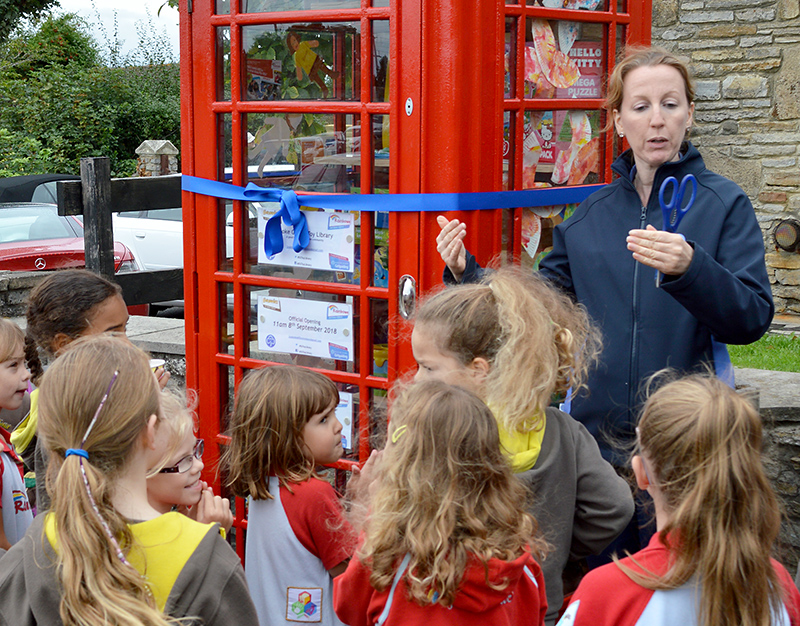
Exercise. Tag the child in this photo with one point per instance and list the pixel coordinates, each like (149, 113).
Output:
(14, 377)
(86, 561)
(64, 306)
(283, 426)
(699, 457)
(174, 482)
(515, 342)
(447, 539)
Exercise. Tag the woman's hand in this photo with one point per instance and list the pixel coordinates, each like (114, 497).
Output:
(667, 252)
(450, 245)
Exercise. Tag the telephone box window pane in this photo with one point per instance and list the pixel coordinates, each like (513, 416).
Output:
(563, 59)
(225, 146)
(225, 225)
(561, 148)
(380, 71)
(509, 81)
(380, 149)
(305, 328)
(274, 6)
(318, 152)
(226, 315)
(537, 232)
(223, 7)
(577, 5)
(301, 61)
(380, 337)
(508, 150)
(223, 63)
(380, 249)
(332, 254)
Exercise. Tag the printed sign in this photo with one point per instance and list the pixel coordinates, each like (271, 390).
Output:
(309, 327)
(344, 413)
(332, 245)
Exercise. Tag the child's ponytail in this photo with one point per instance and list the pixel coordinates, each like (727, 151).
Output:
(95, 403)
(701, 442)
(547, 346)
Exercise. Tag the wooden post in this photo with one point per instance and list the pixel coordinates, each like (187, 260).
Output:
(98, 235)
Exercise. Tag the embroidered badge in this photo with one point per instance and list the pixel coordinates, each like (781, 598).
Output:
(304, 604)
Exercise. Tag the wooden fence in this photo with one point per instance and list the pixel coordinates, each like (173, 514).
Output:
(96, 196)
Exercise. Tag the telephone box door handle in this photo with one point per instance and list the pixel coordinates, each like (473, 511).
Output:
(407, 296)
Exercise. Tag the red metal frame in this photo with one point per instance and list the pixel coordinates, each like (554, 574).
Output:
(447, 59)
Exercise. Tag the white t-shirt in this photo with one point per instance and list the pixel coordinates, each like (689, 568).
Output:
(17, 514)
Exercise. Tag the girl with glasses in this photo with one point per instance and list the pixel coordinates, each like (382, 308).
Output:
(103, 554)
(174, 483)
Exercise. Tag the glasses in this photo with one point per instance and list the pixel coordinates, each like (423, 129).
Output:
(185, 464)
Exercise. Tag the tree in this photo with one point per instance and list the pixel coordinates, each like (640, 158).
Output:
(61, 101)
(12, 12)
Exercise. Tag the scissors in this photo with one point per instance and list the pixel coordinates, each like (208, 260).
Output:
(674, 210)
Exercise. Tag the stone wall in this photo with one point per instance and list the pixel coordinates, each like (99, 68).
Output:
(746, 59)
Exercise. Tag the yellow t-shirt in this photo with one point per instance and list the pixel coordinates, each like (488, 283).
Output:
(522, 449)
(162, 547)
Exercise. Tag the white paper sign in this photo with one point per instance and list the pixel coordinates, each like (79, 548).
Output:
(310, 327)
(344, 413)
(331, 245)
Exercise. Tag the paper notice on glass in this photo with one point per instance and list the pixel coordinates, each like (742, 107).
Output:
(344, 413)
(309, 327)
(331, 247)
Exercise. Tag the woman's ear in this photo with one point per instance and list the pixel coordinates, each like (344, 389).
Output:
(642, 481)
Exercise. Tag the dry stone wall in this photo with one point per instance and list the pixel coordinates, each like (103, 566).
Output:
(746, 59)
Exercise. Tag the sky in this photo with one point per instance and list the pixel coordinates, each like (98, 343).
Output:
(128, 13)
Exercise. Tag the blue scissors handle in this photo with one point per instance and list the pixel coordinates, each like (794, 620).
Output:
(674, 210)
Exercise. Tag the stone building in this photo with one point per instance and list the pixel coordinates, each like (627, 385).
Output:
(746, 59)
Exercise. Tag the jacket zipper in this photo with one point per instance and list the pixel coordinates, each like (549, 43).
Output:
(635, 330)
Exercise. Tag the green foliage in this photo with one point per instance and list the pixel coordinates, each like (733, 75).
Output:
(771, 352)
(60, 102)
(60, 41)
(12, 12)
(21, 154)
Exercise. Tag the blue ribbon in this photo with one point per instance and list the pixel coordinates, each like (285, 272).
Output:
(291, 214)
(76, 452)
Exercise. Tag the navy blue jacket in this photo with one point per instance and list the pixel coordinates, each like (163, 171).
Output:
(725, 291)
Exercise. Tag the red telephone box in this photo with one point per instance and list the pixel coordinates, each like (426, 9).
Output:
(372, 97)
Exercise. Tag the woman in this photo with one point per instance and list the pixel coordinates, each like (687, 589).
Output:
(713, 283)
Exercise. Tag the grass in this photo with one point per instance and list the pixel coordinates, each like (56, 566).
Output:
(772, 352)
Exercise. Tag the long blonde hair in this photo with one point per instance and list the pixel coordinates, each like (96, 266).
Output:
(701, 442)
(272, 407)
(537, 341)
(445, 495)
(98, 585)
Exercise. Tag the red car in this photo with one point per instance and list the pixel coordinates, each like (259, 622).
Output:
(34, 237)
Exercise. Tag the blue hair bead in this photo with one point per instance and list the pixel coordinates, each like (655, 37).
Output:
(77, 452)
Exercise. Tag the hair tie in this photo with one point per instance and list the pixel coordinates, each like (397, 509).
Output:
(399, 432)
(76, 452)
